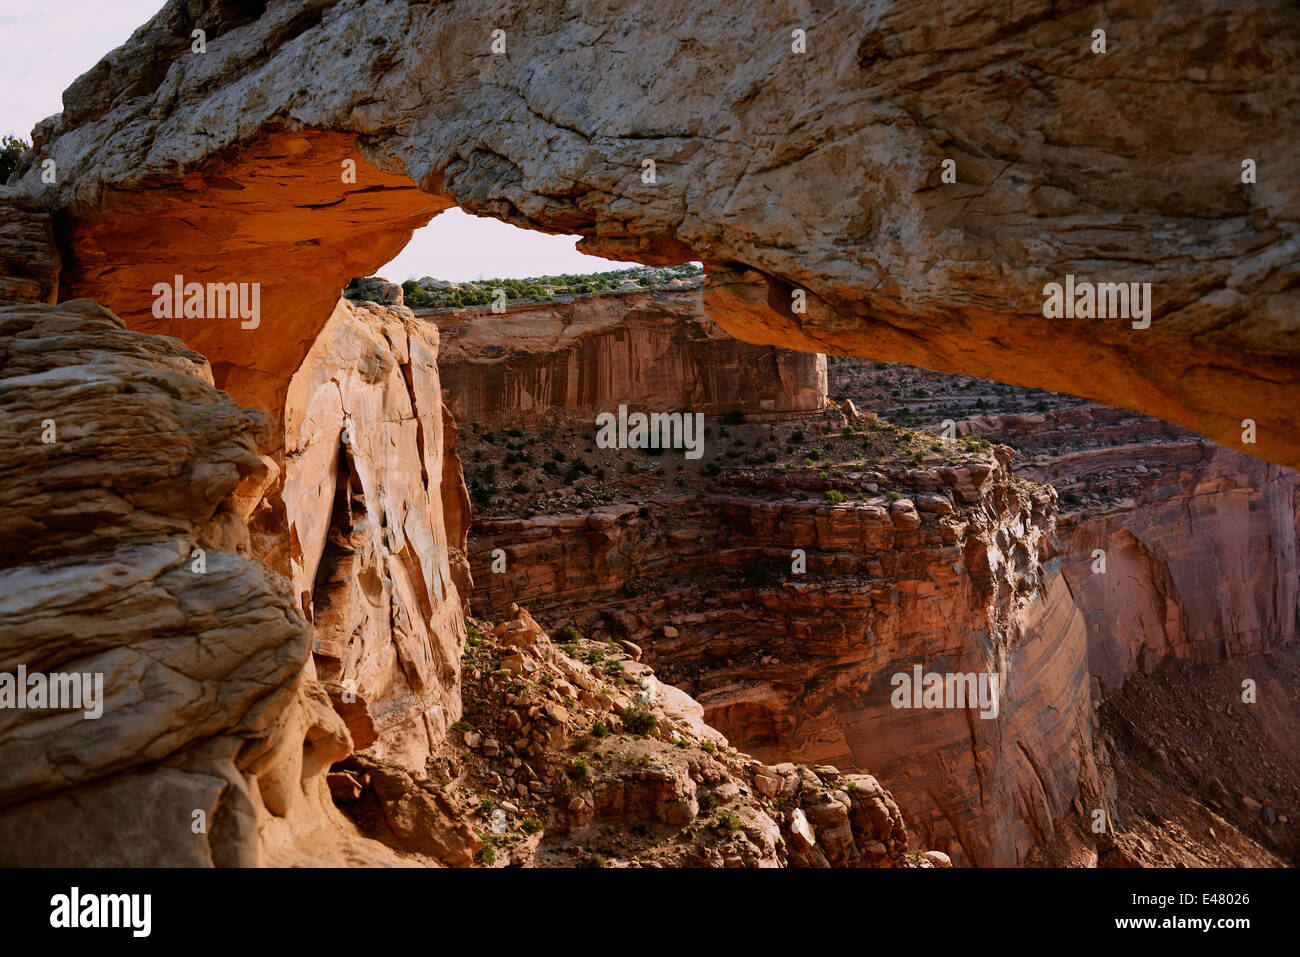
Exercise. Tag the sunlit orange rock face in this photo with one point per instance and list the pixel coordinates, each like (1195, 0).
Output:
(280, 215)
(819, 171)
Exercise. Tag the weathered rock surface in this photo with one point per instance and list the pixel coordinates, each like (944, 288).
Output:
(29, 261)
(1204, 779)
(127, 481)
(818, 171)
(377, 516)
(539, 364)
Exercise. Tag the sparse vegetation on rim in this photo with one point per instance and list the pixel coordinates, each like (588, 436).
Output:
(434, 294)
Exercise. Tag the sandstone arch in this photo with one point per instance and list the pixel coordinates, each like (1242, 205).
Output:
(819, 172)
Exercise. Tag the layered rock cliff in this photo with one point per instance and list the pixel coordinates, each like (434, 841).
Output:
(1199, 541)
(791, 652)
(538, 365)
(785, 165)
(1173, 546)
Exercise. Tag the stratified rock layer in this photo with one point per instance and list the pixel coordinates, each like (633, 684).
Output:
(1191, 553)
(783, 171)
(29, 261)
(541, 364)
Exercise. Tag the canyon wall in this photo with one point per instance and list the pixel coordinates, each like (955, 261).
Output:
(956, 577)
(542, 364)
(309, 137)
(1199, 541)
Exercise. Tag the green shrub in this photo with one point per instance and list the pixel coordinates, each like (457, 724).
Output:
(834, 496)
(11, 151)
(413, 293)
(729, 821)
(566, 633)
(480, 494)
(639, 719)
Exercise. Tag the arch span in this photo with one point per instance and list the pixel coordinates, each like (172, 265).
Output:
(818, 171)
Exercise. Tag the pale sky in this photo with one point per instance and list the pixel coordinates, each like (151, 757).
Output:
(46, 44)
(460, 247)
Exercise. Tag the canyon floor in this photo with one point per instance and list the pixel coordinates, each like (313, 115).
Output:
(1202, 784)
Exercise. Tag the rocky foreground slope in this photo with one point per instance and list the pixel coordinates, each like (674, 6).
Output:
(787, 153)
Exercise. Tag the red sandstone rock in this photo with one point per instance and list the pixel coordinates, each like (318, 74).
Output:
(541, 364)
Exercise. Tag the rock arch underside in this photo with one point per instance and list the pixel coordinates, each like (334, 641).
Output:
(323, 650)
